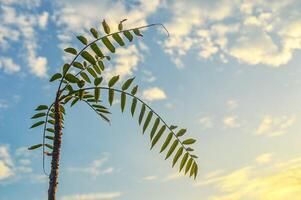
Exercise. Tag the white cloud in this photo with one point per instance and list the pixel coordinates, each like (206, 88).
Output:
(231, 122)
(6, 163)
(22, 25)
(275, 126)
(264, 158)
(253, 32)
(150, 178)
(93, 196)
(43, 19)
(154, 94)
(95, 168)
(173, 177)
(8, 65)
(206, 122)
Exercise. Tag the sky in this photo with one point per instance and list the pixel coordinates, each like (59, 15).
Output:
(229, 72)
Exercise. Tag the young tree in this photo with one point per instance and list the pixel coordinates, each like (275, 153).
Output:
(86, 85)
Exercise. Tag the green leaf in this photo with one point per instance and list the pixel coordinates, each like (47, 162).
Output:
(173, 127)
(133, 106)
(85, 77)
(66, 68)
(167, 141)
(37, 124)
(100, 64)
(147, 120)
(113, 80)
(74, 102)
(188, 165)
(97, 50)
(172, 148)
(49, 146)
(55, 77)
(137, 32)
(82, 39)
(142, 111)
(128, 35)
(189, 149)
(177, 156)
(41, 107)
(51, 130)
(71, 50)
(195, 170)
(78, 65)
(189, 141)
(122, 101)
(118, 39)
(158, 136)
(35, 146)
(127, 84)
(104, 117)
(97, 69)
(194, 156)
(111, 96)
(181, 132)
(81, 83)
(92, 72)
(81, 94)
(87, 56)
(97, 81)
(49, 137)
(154, 129)
(120, 25)
(192, 169)
(96, 93)
(184, 160)
(71, 78)
(38, 115)
(51, 121)
(106, 27)
(94, 33)
(108, 44)
(134, 90)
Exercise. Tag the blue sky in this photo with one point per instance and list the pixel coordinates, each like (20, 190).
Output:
(229, 73)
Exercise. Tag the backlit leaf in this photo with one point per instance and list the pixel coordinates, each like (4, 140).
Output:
(71, 50)
(97, 50)
(189, 141)
(38, 115)
(154, 129)
(172, 148)
(177, 156)
(133, 106)
(181, 132)
(85, 77)
(137, 32)
(106, 27)
(111, 96)
(87, 56)
(113, 80)
(42, 107)
(158, 136)
(71, 78)
(184, 160)
(118, 39)
(128, 35)
(167, 141)
(142, 111)
(82, 39)
(147, 120)
(35, 146)
(127, 84)
(55, 77)
(37, 124)
(94, 33)
(108, 44)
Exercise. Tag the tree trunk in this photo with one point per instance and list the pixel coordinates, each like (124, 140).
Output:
(53, 177)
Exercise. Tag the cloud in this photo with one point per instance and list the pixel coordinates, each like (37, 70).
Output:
(93, 196)
(154, 94)
(6, 163)
(253, 32)
(149, 178)
(21, 26)
(278, 181)
(206, 122)
(264, 158)
(8, 65)
(95, 168)
(231, 104)
(275, 126)
(231, 122)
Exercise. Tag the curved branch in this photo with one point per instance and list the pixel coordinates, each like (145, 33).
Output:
(141, 101)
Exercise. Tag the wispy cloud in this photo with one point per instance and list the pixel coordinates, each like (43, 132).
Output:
(93, 196)
(264, 158)
(281, 181)
(231, 122)
(95, 168)
(275, 126)
(206, 122)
